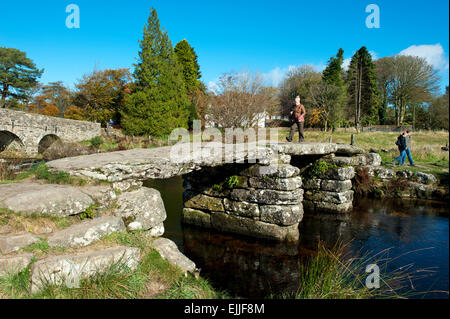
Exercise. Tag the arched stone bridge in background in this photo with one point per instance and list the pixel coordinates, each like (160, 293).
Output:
(33, 133)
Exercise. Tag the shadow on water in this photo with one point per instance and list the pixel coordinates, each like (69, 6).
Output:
(417, 231)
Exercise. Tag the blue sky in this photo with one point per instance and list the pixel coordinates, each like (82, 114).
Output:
(258, 35)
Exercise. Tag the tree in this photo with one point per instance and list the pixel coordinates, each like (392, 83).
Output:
(362, 88)
(331, 95)
(412, 81)
(75, 113)
(51, 110)
(188, 60)
(159, 103)
(325, 99)
(439, 112)
(101, 94)
(18, 74)
(57, 94)
(383, 70)
(298, 82)
(240, 102)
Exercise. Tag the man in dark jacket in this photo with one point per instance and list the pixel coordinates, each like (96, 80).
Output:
(401, 144)
(297, 117)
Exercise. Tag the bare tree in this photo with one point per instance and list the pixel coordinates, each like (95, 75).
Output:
(240, 101)
(413, 80)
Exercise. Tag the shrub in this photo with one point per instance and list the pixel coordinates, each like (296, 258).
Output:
(96, 142)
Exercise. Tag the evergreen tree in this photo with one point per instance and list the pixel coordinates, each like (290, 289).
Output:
(159, 103)
(189, 61)
(18, 75)
(191, 73)
(362, 88)
(333, 76)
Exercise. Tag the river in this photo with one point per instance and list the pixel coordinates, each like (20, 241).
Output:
(410, 233)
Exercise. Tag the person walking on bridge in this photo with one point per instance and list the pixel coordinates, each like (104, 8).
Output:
(297, 117)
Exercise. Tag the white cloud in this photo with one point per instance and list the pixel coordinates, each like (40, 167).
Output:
(212, 86)
(433, 54)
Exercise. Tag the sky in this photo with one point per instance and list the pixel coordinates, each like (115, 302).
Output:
(234, 35)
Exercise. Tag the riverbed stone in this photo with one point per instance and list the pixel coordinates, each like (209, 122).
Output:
(142, 208)
(281, 171)
(336, 186)
(203, 202)
(404, 174)
(12, 243)
(330, 197)
(69, 269)
(268, 196)
(283, 215)
(340, 173)
(249, 227)
(425, 178)
(196, 217)
(241, 208)
(85, 233)
(44, 199)
(170, 252)
(13, 264)
(283, 184)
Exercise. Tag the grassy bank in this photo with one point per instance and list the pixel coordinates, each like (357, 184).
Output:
(331, 274)
(154, 277)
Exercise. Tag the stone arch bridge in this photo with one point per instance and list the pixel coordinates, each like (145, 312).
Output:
(33, 133)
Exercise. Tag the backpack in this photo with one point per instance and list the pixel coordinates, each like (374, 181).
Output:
(398, 141)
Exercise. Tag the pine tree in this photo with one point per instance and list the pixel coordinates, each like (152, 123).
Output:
(333, 76)
(159, 103)
(189, 61)
(362, 88)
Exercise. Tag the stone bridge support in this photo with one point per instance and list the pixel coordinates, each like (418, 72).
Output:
(33, 133)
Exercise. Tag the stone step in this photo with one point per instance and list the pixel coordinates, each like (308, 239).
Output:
(170, 252)
(12, 243)
(70, 269)
(87, 232)
(44, 199)
(13, 264)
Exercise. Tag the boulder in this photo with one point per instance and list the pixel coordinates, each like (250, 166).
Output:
(10, 265)
(103, 195)
(404, 174)
(87, 232)
(170, 252)
(156, 231)
(305, 148)
(268, 196)
(241, 208)
(249, 227)
(384, 173)
(12, 243)
(425, 178)
(200, 201)
(141, 209)
(196, 218)
(44, 199)
(283, 215)
(70, 269)
(283, 184)
(340, 173)
(372, 159)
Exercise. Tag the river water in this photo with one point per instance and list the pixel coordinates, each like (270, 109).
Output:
(410, 233)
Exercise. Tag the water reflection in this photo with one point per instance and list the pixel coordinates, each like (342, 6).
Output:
(415, 230)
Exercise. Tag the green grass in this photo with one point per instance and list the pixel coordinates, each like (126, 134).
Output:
(118, 281)
(332, 275)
